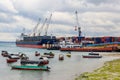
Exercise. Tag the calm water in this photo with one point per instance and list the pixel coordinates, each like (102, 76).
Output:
(67, 69)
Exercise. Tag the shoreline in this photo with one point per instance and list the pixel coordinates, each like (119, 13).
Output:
(103, 71)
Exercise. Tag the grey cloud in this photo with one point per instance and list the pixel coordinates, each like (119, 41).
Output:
(18, 29)
(63, 6)
(7, 18)
(97, 2)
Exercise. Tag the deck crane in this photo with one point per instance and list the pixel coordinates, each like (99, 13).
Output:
(35, 28)
(47, 25)
(40, 30)
(78, 25)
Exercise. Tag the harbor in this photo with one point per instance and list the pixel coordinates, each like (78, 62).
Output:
(60, 40)
(67, 69)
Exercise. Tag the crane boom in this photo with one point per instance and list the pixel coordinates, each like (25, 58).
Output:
(46, 29)
(40, 30)
(78, 25)
(35, 28)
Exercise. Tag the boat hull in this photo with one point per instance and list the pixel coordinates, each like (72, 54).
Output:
(36, 41)
(87, 56)
(106, 49)
(29, 46)
(11, 60)
(24, 67)
(93, 53)
(68, 55)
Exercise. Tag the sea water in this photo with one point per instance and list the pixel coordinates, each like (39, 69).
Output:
(67, 69)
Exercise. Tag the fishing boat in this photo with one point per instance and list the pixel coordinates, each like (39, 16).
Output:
(11, 60)
(61, 57)
(91, 56)
(37, 54)
(13, 57)
(42, 62)
(29, 62)
(5, 54)
(68, 54)
(92, 53)
(50, 54)
(26, 67)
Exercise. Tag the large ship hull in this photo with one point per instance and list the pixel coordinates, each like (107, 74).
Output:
(29, 46)
(36, 42)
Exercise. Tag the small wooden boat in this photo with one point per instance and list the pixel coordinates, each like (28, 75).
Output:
(11, 60)
(29, 62)
(68, 55)
(5, 54)
(50, 54)
(92, 56)
(26, 67)
(42, 62)
(37, 54)
(13, 57)
(91, 53)
(61, 57)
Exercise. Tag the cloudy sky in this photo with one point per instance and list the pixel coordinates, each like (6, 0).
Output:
(96, 17)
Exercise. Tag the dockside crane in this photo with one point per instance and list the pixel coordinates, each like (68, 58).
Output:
(78, 25)
(40, 30)
(36, 27)
(47, 25)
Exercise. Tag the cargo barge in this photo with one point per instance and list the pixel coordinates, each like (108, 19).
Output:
(88, 44)
(103, 47)
(87, 49)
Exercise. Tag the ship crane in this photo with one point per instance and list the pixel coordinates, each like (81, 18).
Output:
(35, 28)
(78, 25)
(40, 30)
(47, 25)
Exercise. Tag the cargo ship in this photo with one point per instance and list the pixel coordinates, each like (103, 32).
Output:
(35, 40)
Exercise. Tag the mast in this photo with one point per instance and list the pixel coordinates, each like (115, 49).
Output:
(78, 25)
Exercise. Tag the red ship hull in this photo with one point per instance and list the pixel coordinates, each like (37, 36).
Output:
(106, 49)
(29, 46)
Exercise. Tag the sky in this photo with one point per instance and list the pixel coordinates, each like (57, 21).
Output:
(95, 17)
